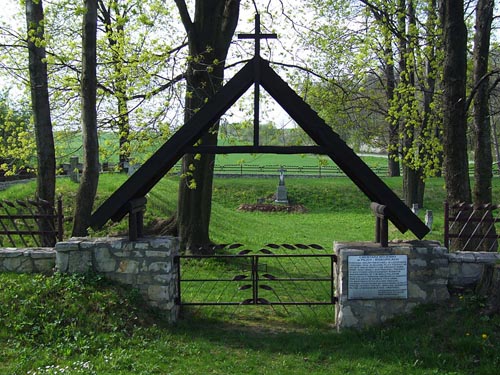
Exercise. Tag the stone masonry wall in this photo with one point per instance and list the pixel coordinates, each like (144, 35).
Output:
(146, 264)
(427, 269)
(466, 268)
(30, 260)
(432, 274)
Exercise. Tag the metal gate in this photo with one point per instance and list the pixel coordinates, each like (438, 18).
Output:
(30, 223)
(272, 275)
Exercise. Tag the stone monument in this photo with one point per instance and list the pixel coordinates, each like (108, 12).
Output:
(74, 170)
(281, 193)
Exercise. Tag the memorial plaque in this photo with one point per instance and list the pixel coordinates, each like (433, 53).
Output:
(377, 277)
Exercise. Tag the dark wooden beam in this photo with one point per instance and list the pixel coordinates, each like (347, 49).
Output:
(316, 150)
(146, 177)
(329, 143)
(366, 180)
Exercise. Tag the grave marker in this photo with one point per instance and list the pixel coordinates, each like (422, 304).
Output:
(281, 193)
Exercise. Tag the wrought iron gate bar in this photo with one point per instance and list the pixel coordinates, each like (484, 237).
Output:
(209, 280)
(237, 256)
(26, 232)
(266, 303)
(472, 227)
(31, 223)
(257, 280)
(296, 279)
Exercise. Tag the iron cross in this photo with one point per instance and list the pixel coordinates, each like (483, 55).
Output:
(258, 35)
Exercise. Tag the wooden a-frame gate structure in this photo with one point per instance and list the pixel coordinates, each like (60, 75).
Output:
(130, 199)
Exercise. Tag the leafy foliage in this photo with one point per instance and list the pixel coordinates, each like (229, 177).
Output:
(381, 65)
(86, 307)
(17, 143)
(138, 69)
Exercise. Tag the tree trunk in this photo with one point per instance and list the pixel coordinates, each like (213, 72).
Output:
(115, 37)
(429, 124)
(393, 146)
(454, 97)
(482, 128)
(456, 164)
(483, 160)
(489, 287)
(495, 144)
(46, 179)
(393, 167)
(413, 187)
(123, 127)
(209, 37)
(390, 79)
(90, 175)
(413, 183)
(121, 95)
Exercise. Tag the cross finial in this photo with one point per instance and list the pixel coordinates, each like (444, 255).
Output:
(258, 35)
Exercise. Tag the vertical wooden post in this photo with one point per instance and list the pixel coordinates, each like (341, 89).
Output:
(446, 224)
(384, 231)
(132, 226)
(136, 209)
(60, 219)
(381, 224)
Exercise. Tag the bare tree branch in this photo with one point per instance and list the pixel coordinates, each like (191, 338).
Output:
(476, 87)
(160, 89)
(494, 85)
(304, 69)
(185, 17)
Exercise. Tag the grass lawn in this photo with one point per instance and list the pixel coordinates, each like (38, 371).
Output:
(86, 325)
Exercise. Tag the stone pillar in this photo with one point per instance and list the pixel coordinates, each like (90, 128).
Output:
(146, 264)
(467, 267)
(427, 277)
(74, 172)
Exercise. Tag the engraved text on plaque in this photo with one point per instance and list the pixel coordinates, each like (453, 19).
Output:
(377, 276)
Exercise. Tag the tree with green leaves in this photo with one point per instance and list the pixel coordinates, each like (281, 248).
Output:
(17, 141)
(133, 61)
(209, 35)
(137, 72)
(46, 163)
(416, 105)
(134, 72)
(391, 68)
(347, 88)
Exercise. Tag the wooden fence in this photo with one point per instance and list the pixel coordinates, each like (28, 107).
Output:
(469, 227)
(30, 223)
(240, 170)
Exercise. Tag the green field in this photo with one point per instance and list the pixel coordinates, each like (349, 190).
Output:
(86, 325)
(336, 209)
(68, 144)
